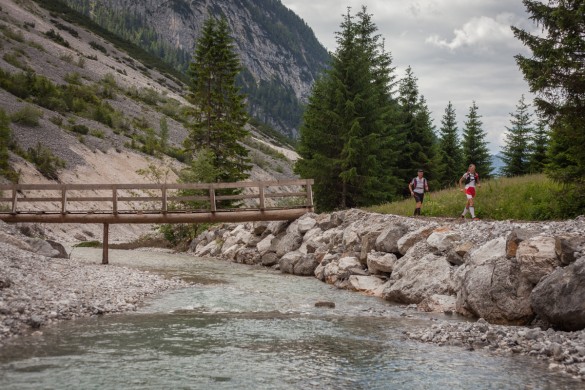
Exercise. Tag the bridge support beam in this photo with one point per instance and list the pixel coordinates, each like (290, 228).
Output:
(105, 243)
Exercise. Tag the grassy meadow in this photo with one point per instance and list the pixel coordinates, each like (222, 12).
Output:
(530, 198)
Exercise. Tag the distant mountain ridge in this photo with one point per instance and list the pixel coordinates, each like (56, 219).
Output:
(279, 52)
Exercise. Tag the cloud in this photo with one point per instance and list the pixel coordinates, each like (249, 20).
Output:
(478, 32)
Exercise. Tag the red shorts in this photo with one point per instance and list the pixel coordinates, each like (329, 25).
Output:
(470, 192)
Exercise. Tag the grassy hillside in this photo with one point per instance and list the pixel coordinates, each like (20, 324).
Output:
(531, 197)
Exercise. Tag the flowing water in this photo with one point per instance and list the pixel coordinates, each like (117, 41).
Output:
(243, 327)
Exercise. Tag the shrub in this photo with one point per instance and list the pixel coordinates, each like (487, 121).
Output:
(11, 34)
(27, 116)
(80, 129)
(97, 133)
(14, 60)
(45, 161)
(97, 46)
(56, 37)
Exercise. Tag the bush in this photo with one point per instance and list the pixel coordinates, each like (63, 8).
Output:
(45, 161)
(56, 37)
(27, 116)
(80, 129)
(98, 47)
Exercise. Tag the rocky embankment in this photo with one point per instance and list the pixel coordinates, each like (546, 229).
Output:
(39, 285)
(505, 273)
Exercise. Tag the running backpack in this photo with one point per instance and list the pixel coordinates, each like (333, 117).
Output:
(468, 177)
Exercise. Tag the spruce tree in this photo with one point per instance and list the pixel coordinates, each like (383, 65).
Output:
(474, 145)
(450, 148)
(347, 135)
(220, 116)
(539, 142)
(556, 73)
(515, 152)
(415, 131)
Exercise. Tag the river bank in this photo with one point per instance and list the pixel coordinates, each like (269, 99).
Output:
(428, 265)
(37, 291)
(522, 280)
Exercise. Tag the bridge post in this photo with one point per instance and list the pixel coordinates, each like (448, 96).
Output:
(105, 244)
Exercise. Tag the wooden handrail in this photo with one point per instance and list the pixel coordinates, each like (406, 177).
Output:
(66, 194)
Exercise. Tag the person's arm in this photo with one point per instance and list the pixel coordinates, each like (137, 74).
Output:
(477, 180)
(410, 188)
(426, 185)
(461, 183)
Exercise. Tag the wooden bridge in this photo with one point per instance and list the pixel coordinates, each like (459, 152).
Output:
(154, 203)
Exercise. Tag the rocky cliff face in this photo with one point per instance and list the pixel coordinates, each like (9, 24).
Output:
(274, 45)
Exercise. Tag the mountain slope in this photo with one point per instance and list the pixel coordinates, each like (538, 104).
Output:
(78, 99)
(279, 52)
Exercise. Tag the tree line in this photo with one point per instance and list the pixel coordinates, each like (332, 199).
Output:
(365, 133)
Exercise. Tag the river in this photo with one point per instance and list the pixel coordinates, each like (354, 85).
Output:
(245, 327)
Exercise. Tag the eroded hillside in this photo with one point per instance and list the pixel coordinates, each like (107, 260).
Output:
(99, 115)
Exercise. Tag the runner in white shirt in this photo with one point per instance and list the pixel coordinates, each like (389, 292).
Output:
(471, 180)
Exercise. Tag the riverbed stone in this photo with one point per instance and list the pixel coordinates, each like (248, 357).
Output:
(494, 289)
(537, 257)
(418, 275)
(443, 240)
(409, 239)
(265, 245)
(371, 285)
(514, 239)
(41, 247)
(560, 297)
(438, 303)
(287, 243)
(306, 224)
(567, 246)
(387, 241)
(381, 262)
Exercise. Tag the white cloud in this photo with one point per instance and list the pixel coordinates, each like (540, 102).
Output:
(478, 31)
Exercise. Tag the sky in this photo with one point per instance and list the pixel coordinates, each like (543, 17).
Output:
(459, 50)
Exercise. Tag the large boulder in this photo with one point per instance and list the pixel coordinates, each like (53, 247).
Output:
(41, 247)
(380, 262)
(537, 258)
(306, 224)
(560, 297)
(14, 241)
(387, 241)
(408, 240)
(441, 241)
(418, 275)
(438, 304)
(265, 245)
(493, 288)
(371, 285)
(567, 246)
(368, 244)
(288, 242)
(514, 239)
(297, 263)
(59, 248)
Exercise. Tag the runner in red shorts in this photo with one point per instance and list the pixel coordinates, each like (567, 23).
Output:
(471, 180)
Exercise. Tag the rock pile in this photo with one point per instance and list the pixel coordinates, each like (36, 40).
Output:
(504, 273)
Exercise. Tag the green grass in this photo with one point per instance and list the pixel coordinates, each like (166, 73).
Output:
(530, 197)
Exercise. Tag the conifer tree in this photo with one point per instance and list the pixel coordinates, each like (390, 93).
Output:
(539, 142)
(347, 135)
(474, 145)
(556, 73)
(416, 131)
(515, 152)
(220, 115)
(450, 148)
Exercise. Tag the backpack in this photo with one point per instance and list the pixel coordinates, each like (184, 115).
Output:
(413, 182)
(468, 177)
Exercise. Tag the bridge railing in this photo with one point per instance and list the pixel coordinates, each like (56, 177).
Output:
(165, 198)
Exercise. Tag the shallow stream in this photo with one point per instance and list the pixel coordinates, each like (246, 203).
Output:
(243, 327)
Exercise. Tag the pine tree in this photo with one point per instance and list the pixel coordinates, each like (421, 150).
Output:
(516, 153)
(347, 135)
(474, 145)
(538, 147)
(556, 73)
(416, 131)
(220, 117)
(450, 148)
